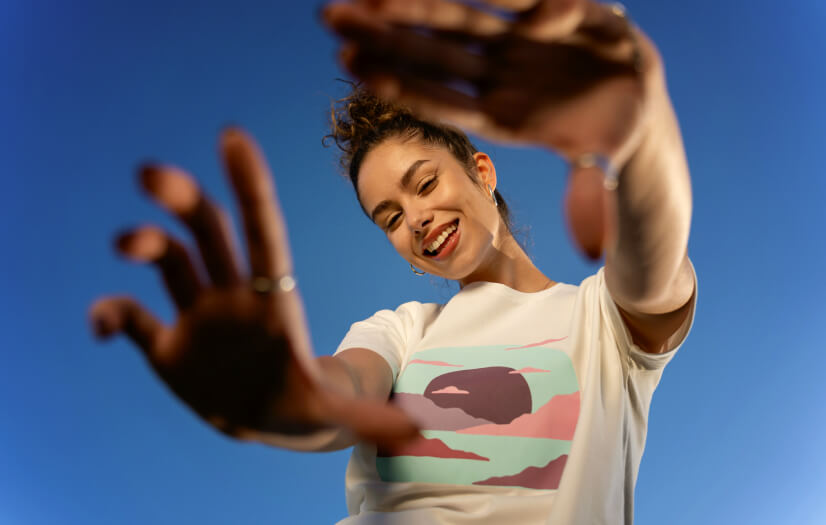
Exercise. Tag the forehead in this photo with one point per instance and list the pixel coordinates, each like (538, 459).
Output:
(383, 167)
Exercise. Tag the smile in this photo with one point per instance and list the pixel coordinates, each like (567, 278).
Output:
(444, 244)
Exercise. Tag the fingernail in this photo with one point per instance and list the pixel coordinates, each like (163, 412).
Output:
(231, 130)
(233, 139)
(144, 244)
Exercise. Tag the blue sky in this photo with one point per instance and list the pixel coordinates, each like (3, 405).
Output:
(90, 89)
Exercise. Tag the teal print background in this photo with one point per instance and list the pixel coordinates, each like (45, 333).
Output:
(491, 415)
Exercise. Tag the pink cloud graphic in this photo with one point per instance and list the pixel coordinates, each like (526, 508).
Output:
(434, 448)
(434, 363)
(528, 370)
(546, 477)
(556, 419)
(540, 343)
(450, 390)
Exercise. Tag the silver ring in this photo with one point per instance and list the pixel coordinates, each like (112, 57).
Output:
(610, 175)
(265, 285)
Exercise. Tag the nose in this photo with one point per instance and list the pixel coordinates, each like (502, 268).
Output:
(418, 219)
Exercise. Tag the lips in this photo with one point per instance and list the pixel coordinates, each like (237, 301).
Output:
(434, 236)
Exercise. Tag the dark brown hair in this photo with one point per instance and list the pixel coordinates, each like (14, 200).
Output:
(361, 121)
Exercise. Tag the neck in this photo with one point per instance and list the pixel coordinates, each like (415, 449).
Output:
(508, 264)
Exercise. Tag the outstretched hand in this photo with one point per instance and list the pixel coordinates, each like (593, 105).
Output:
(570, 75)
(240, 358)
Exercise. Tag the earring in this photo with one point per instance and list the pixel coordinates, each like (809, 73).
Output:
(492, 196)
(414, 270)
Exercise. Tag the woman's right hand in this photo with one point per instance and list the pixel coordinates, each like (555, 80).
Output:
(240, 358)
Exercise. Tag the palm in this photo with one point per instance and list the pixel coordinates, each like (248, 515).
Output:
(595, 109)
(229, 357)
(556, 74)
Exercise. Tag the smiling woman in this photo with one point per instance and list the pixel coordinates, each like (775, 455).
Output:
(433, 194)
(430, 190)
(521, 399)
(362, 120)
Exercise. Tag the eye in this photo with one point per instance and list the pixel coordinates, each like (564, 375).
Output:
(391, 221)
(427, 185)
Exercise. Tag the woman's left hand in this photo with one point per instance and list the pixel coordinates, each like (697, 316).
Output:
(571, 75)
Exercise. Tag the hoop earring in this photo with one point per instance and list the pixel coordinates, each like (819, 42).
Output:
(492, 196)
(414, 270)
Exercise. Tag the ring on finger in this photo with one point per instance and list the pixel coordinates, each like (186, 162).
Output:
(610, 174)
(267, 285)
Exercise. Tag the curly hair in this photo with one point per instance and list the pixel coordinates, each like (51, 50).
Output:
(361, 121)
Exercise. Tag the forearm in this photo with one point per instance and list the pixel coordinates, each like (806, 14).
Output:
(356, 374)
(646, 259)
(337, 376)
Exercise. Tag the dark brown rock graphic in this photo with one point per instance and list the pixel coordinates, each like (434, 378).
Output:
(546, 477)
(493, 393)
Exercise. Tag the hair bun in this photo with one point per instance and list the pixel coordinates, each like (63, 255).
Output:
(358, 119)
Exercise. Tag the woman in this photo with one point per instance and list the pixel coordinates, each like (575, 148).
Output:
(531, 395)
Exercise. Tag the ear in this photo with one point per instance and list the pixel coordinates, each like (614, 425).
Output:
(485, 169)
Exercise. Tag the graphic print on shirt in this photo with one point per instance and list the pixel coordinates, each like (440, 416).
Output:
(490, 415)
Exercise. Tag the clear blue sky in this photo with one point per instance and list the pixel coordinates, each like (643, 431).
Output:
(89, 89)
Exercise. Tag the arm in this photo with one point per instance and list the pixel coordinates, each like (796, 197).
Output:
(564, 75)
(352, 374)
(647, 269)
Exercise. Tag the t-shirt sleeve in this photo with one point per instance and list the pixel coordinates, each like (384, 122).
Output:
(622, 335)
(387, 332)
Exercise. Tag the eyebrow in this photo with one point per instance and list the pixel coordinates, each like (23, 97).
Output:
(403, 183)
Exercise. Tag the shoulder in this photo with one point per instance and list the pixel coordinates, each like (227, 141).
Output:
(411, 312)
(399, 324)
(391, 333)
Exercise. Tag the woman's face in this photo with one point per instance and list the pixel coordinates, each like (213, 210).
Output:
(431, 211)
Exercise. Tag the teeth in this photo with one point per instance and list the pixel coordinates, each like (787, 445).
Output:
(433, 246)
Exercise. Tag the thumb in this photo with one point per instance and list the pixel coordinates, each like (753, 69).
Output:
(585, 211)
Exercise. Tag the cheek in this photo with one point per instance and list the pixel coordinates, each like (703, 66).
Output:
(481, 213)
(401, 243)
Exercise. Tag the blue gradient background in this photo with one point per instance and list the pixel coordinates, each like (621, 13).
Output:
(89, 89)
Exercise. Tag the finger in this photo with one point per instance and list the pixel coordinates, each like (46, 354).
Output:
(606, 22)
(178, 192)
(512, 5)
(150, 244)
(432, 14)
(431, 99)
(617, 38)
(551, 20)
(264, 225)
(410, 49)
(112, 315)
(493, 115)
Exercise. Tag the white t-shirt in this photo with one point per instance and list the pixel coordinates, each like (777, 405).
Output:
(533, 406)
